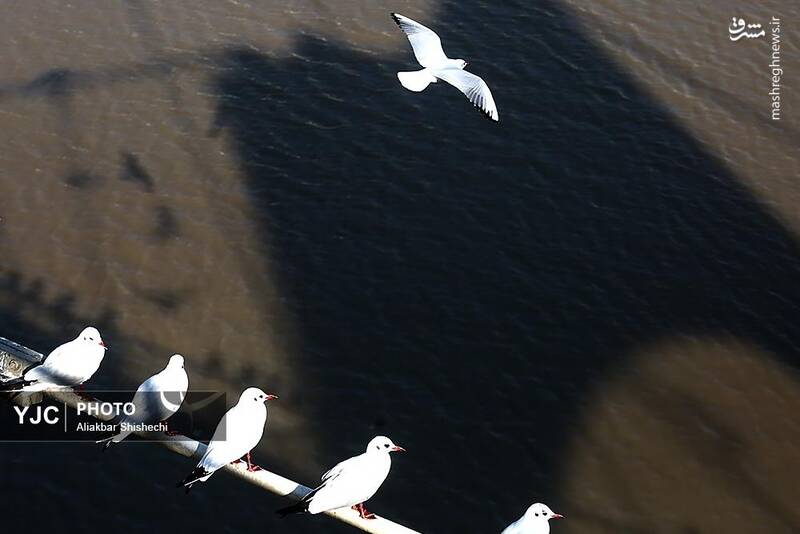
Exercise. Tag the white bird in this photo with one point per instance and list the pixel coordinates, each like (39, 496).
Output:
(351, 482)
(437, 66)
(237, 433)
(157, 399)
(70, 364)
(535, 521)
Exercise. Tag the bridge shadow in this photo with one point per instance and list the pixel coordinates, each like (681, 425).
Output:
(464, 286)
(461, 286)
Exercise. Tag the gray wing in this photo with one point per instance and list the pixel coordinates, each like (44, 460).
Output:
(236, 435)
(338, 468)
(426, 44)
(150, 402)
(53, 369)
(326, 478)
(473, 87)
(219, 436)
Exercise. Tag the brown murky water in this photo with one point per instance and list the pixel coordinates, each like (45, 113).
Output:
(590, 305)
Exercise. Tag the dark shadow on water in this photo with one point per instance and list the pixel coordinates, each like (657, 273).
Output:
(167, 226)
(468, 284)
(54, 83)
(167, 301)
(134, 171)
(83, 180)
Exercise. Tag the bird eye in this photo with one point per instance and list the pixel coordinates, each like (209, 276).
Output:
(536, 514)
(544, 513)
(386, 445)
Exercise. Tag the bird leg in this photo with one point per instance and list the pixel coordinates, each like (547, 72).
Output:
(362, 511)
(250, 465)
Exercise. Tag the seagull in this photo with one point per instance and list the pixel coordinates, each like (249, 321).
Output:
(70, 364)
(157, 399)
(535, 521)
(437, 66)
(350, 482)
(237, 433)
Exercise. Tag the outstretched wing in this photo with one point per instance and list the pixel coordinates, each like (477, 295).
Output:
(426, 44)
(473, 87)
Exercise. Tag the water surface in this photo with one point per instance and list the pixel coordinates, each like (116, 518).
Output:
(589, 304)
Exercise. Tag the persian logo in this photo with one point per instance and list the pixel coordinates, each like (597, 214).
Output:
(739, 29)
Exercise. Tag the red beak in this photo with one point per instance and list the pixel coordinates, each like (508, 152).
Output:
(397, 448)
(557, 516)
(271, 397)
(103, 344)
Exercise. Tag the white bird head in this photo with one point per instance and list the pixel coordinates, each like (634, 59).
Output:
(91, 335)
(175, 362)
(540, 512)
(383, 445)
(461, 64)
(255, 395)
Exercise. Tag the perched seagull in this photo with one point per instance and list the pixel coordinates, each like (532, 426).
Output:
(437, 66)
(156, 400)
(237, 433)
(535, 521)
(70, 364)
(351, 482)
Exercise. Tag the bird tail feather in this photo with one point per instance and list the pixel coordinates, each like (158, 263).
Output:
(415, 81)
(296, 508)
(302, 505)
(198, 474)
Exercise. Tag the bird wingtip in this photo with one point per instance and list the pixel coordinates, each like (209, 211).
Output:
(489, 113)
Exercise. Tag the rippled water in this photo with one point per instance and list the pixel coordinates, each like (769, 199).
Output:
(591, 303)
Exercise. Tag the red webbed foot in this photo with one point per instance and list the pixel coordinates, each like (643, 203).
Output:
(363, 512)
(250, 465)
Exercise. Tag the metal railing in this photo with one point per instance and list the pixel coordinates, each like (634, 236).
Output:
(15, 358)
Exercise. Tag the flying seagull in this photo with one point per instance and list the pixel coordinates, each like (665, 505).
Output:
(437, 66)
(156, 400)
(350, 482)
(237, 433)
(535, 521)
(70, 364)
